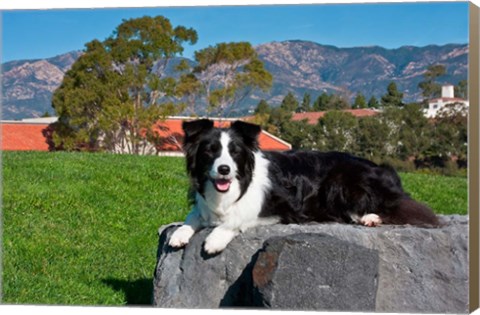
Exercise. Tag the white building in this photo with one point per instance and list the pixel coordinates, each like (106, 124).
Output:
(448, 97)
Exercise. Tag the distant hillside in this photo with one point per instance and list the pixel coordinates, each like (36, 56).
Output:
(27, 85)
(297, 66)
(300, 66)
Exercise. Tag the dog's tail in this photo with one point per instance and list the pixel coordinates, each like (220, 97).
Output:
(409, 211)
(400, 208)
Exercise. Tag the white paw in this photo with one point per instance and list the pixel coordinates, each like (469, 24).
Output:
(181, 236)
(218, 240)
(371, 219)
(214, 245)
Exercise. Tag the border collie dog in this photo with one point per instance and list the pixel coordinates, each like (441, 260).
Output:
(237, 186)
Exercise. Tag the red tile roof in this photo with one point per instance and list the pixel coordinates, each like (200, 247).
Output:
(447, 99)
(171, 132)
(313, 117)
(23, 137)
(31, 137)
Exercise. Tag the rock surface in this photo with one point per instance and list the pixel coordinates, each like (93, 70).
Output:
(419, 270)
(310, 271)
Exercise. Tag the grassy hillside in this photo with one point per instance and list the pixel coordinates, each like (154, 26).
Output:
(81, 229)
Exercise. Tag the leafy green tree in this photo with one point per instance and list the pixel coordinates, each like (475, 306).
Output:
(371, 138)
(337, 102)
(450, 132)
(461, 89)
(326, 102)
(392, 118)
(300, 134)
(228, 73)
(415, 132)
(277, 120)
(117, 90)
(360, 101)
(289, 103)
(262, 113)
(373, 102)
(336, 131)
(262, 107)
(305, 105)
(393, 97)
(430, 88)
(321, 103)
(189, 90)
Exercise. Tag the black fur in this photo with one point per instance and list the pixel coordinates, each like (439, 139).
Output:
(307, 185)
(317, 186)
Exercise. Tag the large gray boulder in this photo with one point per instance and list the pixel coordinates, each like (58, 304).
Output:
(419, 269)
(310, 271)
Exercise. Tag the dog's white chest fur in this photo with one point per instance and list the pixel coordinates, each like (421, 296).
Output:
(227, 209)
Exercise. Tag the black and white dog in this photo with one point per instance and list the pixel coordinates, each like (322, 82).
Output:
(237, 186)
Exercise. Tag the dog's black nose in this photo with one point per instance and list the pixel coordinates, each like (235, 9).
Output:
(224, 169)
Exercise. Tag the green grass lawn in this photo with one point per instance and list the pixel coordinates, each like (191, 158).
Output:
(81, 229)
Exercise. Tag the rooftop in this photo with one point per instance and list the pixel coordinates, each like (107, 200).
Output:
(313, 117)
(31, 135)
(24, 136)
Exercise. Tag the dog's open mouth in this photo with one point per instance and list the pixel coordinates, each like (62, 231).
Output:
(222, 184)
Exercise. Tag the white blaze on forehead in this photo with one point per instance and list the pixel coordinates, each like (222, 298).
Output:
(225, 158)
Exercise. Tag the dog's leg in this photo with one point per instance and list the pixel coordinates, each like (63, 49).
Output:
(218, 239)
(182, 235)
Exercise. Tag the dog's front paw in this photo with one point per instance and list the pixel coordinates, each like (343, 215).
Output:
(213, 245)
(218, 240)
(181, 236)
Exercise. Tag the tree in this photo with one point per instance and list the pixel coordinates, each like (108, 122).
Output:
(336, 131)
(373, 103)
(277, 120)
(117, 90)
(330, 102)
(451, 132)
(337, 102)
(431, 89)
(415, 132)
(360, 101)
(321, 102)
(289, 103)
(305, 105)
(300, 134)
(262, 108)
(371, 138)
(189, 90)
(227, 74)
(461, 89)
(262, 113)
(393, 97)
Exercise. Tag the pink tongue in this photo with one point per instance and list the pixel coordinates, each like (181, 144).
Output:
(222, 184)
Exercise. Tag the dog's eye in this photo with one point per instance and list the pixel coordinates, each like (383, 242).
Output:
(234, 150)
(210, 149)
(213, 149)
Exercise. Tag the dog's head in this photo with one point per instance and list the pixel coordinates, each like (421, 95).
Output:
(220, 156)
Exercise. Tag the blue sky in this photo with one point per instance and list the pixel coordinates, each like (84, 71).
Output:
(30, 34)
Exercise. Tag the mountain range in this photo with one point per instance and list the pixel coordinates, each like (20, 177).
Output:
(297, 66)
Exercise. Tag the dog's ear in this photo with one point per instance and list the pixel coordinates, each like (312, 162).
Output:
(248, 131)
(193, 128)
